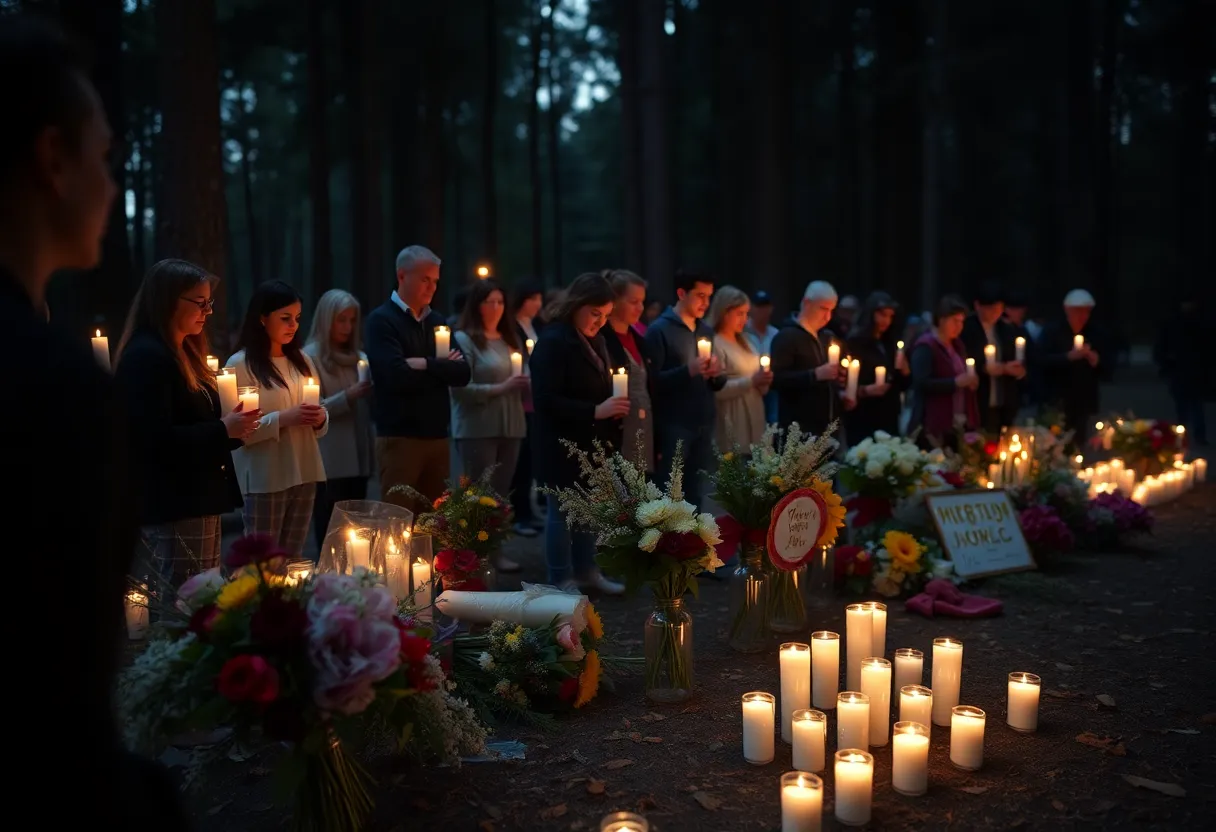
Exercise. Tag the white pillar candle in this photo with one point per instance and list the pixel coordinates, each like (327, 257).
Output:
(795, 661)
(765, 362)
(801, 802)
(990, 356)
(443, 341)
(899, 346)
(1024, 702)
(852, 720)
(1078, 341)
(876, 684)
(909, 667)
(624, 822)
(825, 666)
(704, 348)
(249, 398)
(910, 758)
(213, 364)
(529, 344)
(971, 367)
(854, 367)
(947, 677)
(810, 740)
(880, 374)
(517, 364)
(859, 623)
(364, 369)
(833, 353)
(1019, 348)
(916, 705)
(358, 551)
(312, 392)
(759, 727)
(101, 350)
(137, 615)
(421, 572)
(878, 628)
(620, 384)
(854, 786)
(967, 737)
(226, 383)
(396, 575)
(1201, 469)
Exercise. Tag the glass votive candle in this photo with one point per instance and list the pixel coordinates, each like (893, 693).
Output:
(794, 659)
(852, 720)
(854, 786)
(759, 727)
(967, 737)
(801, 802)
(825, 669)
(248, 397)
(910, 760)
(878, 628)
(299, 571)
(909, 667)
(624, 822)
(1024, 702)
(947, 677)
(916, 705)
(810, 740)
(876, 684)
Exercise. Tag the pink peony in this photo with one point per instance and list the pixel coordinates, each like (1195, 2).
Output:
(199, 590)
(353, 642)
(569, 641)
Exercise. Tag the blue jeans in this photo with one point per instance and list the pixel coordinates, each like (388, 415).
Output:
(698, 452)
(568, 554)
(770, 407)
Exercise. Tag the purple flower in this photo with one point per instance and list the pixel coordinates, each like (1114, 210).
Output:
(1045, 530)
(353, 642)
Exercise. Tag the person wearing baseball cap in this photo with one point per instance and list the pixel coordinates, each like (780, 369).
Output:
(1069, 354)
(760, 331)
(998, 394)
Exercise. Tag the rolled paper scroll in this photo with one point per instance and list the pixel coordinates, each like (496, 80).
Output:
(535, 606)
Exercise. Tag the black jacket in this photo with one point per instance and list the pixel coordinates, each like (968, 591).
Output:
(566, 387)
(881, 412)
(182, 450)
(974, 339)
(680, 400)
(620, 358)
(1073, 386)
(801, 397)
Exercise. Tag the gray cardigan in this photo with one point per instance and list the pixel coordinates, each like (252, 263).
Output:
(348, 449)
(478, 412)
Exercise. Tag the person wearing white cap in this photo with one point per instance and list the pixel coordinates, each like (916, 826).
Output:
(808, 385)
(1072, 363)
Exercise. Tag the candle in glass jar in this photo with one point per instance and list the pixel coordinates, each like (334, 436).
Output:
(624, 822)
(947, 677)
(854, 374)
(1019, 348)
(916, 705)
(704, 348)
(880, 375)
(137, 615)
(859, 624)
(910, 758)
(421, 571)
(226, 383)
(909, 667)
(795, 662)
(878, 628)
(443, 341)
(825, 669)
(967, 737)
(517, 364)
(801, 802)
(1078, 342)
(213, 364)
(971, 367)
(854, 786)
(852, 720)
(810, 740)
(101, 350)
(248, 397)
(990, 356)
(1024, 702)
(364, 369)
(396, 578)
(620, 384)
(358, 551)
(833, 353)
(759, 726)
(312, 392)
(876, 684)
(765, 362)
(298, 571)
(1200, 467)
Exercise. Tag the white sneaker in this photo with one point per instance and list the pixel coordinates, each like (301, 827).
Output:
(598, 582)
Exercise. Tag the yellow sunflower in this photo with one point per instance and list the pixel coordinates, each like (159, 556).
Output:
(483, 536)
(594, 624)
(589, 680)
(836, 512)
(904, 549)
(488, 502)
(236, 593)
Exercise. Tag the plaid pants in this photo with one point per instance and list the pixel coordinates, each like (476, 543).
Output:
(183, 548)
(284, 515)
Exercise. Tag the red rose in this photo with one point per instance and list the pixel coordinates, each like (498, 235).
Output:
(248, 678)
(252, 548)
(279, 621)
(952, 478)
(414, 648)
(567, 691)
(847, 563)
(681, 545)
(466, 560)
(284, 722)
(445, 561)
(471, 585)
(991, 448)
(203, 620)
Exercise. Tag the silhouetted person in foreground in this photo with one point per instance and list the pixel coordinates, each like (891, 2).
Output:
(71, 526)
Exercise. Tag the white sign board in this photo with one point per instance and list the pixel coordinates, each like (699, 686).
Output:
(980, 531)
(797, 522)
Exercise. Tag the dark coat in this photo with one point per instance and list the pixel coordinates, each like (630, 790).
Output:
(1008, 387)
(801, 397)
(1073, 386)
(933, 390)
(881, 412)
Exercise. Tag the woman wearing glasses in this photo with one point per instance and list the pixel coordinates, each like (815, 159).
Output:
(182, 446)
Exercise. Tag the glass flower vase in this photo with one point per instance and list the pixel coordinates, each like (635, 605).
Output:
(749, 601)
(668, 646)
(786, 605)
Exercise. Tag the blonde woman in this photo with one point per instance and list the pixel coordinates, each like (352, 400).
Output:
(740, 402)
(348, 448)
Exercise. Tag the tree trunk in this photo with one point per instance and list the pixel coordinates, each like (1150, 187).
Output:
(404, 141)
(1105, 200)
(631, 137)
(318, 155)
(489, 183)
(554, 126)
(434, 162)
(193, 216)
(139, 187)
(773, 203)
(1196, 190)
(724, 108)
(931, 191)
(251, 220)
(535, 181)
(1078, 243)
(848, 148)
(658, 261)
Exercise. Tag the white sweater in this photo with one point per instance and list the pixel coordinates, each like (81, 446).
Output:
(740, 407)
(276, 458)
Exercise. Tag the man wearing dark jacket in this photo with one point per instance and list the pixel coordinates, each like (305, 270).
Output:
(411, 408)
(1074, 373)
(684, 409)
(990, 341)
(807, 384)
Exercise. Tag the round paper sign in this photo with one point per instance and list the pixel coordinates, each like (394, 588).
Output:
(798, 521)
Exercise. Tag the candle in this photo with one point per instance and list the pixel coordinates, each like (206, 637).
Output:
(529, 344)
(226, 382)
(396, 576)
(620, 384)
(1078, 342)
(878, 628)
(213, 364)
(137, 615)
(517, 364)
(765, 362)
(365, 370)
(443, 341)
(825, 664)
(312, 392)
(833, 353)
(801, 802)
(795, 661)
(759, 725)
(810, 740)
(971, 367)
(916, 705)
(101, 350)
(859, 623)
(248, 397)
(358, 551)
(624, 822)
(422, 574)
(990, 356)
(899, 345)
(880, 375)
(1024, 702)
(910, 758)
(876, 684)
(1019, 348)
(947, 677)
(1201, 469)
(852, 720)
(298, 571)
(967, 737)
(704, 349)
(909, 667)
(854, 367)
(854, 786)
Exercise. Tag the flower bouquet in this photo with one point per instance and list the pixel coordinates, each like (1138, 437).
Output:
(650, 538)
(976, 452)
(1110, 517)
(1045, 531)
(904, 563)
(749, 485)
(469, 521)
(310, 663)
(883, 469)
(1146, 446)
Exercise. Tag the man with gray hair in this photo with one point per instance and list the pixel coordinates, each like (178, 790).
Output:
(411, 408)
(807, 384)
(1068, 352)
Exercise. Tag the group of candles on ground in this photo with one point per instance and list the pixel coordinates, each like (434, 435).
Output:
(810, 674)
(1114, 475)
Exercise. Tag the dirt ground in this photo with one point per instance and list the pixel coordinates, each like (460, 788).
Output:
(1123, 642)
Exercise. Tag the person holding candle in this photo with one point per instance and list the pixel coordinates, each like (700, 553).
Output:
(280, 465)
(986, 335)
(808, 385)
(1025, 344)
(872, 342)
(740, 402)
(488, 413)
(348, 447)
(760, 331)
(182, 446)
(1073, 374)
(943, 392)
(572, 392)
(527, 298)
(629, 350)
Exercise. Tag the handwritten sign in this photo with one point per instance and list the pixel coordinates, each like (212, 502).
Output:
(980, 531)
(797, 522)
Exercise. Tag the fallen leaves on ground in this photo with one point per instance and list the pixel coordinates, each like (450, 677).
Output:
(715, 746)
(1180, 731)
(613, 765)
(1063, 694)
(1058, 805)
(1107, 700)
(1110, 745)
(1171, 789)
(653, 717)
(707, 801)
(1208, 719)
(553, 812)
(1062, 666)
(595, 786)
(655, 740)
(973, 789)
